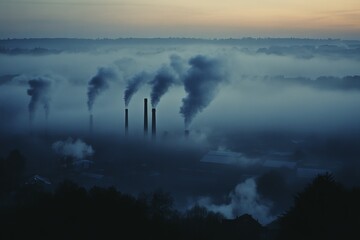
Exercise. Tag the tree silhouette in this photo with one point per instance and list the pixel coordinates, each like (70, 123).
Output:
(199, 223)
(324, 210)
(12, 170)
(73, 212)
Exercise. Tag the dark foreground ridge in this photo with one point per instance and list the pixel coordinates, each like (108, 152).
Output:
(325, 209)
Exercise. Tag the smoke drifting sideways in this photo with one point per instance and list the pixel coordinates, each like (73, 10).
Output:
(76, 149)
(40, 94)
(179, 65)
(134, 85)
(161, 84)
(98, 84)
(165, 77)
(201, 83)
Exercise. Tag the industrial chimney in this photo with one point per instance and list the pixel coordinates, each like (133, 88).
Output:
(126, 121)
(153, 123)
(145, 117)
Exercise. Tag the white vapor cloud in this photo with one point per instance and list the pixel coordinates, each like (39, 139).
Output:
(73, 148)
(243, 200)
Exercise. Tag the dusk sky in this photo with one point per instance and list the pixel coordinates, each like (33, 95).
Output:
(185, 18)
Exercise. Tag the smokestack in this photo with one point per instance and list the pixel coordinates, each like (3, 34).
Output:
(126, 121)
(145, 117)
(153, 123)
(91, 124)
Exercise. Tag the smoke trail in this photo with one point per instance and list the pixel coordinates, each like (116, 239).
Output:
(133, 86)
(201, 84)
(39, 92)
(178, 65)
(98, 84)
(73, 148)
(160, 85)
(126, 67)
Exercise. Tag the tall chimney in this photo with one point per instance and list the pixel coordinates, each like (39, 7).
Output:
(145, 117)
(126, 121)
(91, 124)
(153, 123)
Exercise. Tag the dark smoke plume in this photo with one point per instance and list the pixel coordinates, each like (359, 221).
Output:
(201, 84)
(160, 85)
(98, 84)
(39, 92)
(133, 86)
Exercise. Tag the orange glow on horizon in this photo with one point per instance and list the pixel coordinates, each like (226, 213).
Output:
(205, 17)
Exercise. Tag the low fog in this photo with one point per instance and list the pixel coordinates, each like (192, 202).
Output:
(260, 99)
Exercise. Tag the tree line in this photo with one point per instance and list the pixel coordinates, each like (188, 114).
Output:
(325, 209)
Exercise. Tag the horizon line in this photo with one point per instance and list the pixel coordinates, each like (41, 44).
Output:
(179, 38)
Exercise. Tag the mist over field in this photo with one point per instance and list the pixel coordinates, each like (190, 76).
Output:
(266, 99)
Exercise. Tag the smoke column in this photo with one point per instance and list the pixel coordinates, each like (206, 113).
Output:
(201, 85)
(160, 85)
(98, 84)
(39, 91)
(133, 86)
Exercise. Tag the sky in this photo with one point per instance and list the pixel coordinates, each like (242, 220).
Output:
(180, 18)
